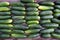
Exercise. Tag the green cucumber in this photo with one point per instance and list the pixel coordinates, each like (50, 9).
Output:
(6, 21)
(5, 17)
(57, 10)
(4, 9)
(57, 6)
(32, 13)
(57, 31)
(18, 35)
(47, 30)
(45, 8)
(18, 8)
(43, 13)
(17, 4)
(29, 9)
(34, 26)
(57, 15)
(18, 17)
(32, 31)
(32, 18)
(46, 35)
(6, 26)
(4, 36)
(32, 4)
(18, 31)
(5, 13)
(32, 22)
(4, 4)
(19, 21)
(47, 17)
(51, 25)
(28, 1)
(33, 35)
(20, 13)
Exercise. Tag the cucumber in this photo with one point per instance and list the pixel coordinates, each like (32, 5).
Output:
(56, 35)
(19, 21)
(5, 17)
(57, 31)
(56, 20)
(32, 9)
(4, 36)
(45, 8)
(28, 1)
(57, 6)
(51, 25)
(32, 22)
(18, 31)
(6, 26)
(33, 35)
(5, 30)
(18, 35)
(32, 4)
(34, 26)
(6, 21)
(32, 18)
(57, 10)
(47, 3)
(47, 17)
(43, 13)
(19, 13)
(18, 8)
(5, 13)
(17, 4)
(57, 2)
(45, 21)
(47, 30)
(32, 31)
(32, 13)
(18, 26)
(4, 9)
(57, 15)
(18, 17)
(4, 4)
(46, 35)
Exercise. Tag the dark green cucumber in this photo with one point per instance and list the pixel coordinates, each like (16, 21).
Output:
(45, 8)
(18, 8)
(32, 13)
(16, 4)
(32, 4)
(4, 9)
(47, 17)
(32, 22)
(56, 35)
(28, 1)
(57, 6)
(18, 17)
(29, 9)
(57, 10)
(18, 31)
(20, 13)
(5, 30)
(6, 21)
(48, 3)
(32, 31)
(51, 25)
(57, 15)
(43, 13)
(56, 20)
(33, 35)
(34, 26)
(5, 13)
(18, 26)
(19, 21)
(47, 30)
(57, 31)
(45, 21)
(6, 26)
(18, 35)
(4, 36)
(32, 18)
(4, 4)
(46, 35)
(5, 17)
